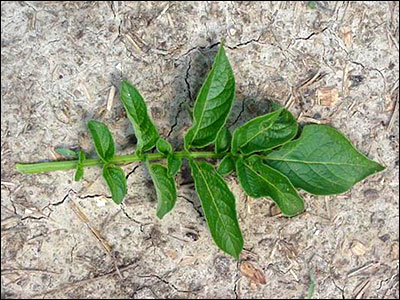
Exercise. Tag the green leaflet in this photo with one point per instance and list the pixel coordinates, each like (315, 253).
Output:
(174, 164)
(165, 189)
(102, 139)
(66, 152)
(213, 103)
(145, 131)
(322, 161)
(163, 146)
(226, 166)
(116, 182)
(223, 140)
(219, 208)
(78, 173)
(275, 106)
(264, 132)
(79, 169)
(259, 180)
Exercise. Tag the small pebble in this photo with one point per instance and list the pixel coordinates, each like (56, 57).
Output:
(384, 238)
(371, 194)
(317, 116)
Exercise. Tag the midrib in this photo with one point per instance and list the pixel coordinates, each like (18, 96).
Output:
(260, 132)
(315, 162)
(211, 195)
(265, 179)
(205, 103)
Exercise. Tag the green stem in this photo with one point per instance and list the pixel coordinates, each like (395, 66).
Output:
(43, 167)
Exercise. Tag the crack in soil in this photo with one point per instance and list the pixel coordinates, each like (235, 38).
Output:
(141, 225)
(236, 290)
(312, 34)
(168, 283)
(339, 288)
(185, 101)
(33, 218)
(197, 208)
(94, 196)
(239, 115)
(131, 172)
(58, 202)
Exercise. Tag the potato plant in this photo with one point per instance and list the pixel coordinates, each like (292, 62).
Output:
(265, 154)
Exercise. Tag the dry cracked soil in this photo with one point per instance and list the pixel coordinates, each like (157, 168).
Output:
(62, 64)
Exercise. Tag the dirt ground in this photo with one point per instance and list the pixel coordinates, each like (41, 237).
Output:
(60, 63)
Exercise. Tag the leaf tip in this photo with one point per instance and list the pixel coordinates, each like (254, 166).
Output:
(125, 82)
(160, 215)
(293, 214)
(236, 256)
(380, 167)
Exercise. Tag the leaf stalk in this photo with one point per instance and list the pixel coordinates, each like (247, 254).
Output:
(44, 167)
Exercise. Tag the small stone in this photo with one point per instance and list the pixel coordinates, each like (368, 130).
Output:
(358, 248)
(394, 252)
(221, 264)
(251, 272)
(317, 116)
(371, 194)
(232, 31)
(346, 35)
(274, 210)
(327, 96)
(171, 253)
(356, 78)
(384, 238)
(192, 235)
(187, 260)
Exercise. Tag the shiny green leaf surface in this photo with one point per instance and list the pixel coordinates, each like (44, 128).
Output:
(322, 161)
(174, 164)
(223, 140)
(226, 166)
(102, 140)
(219, 207)
(116, 182)
(163, 146)
(259, 180)
(264, 132)
(165, 189)
(213, 103)
(135, 107)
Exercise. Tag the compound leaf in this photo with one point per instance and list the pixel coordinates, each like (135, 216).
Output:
(213, 103)
(116, 181)
(219, 207)
(145, 131)
(322, 161)
(102, 139)
(165, 189)
(259, 180)
(264, 132)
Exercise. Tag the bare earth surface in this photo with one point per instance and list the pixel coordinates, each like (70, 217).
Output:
(60, 63)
